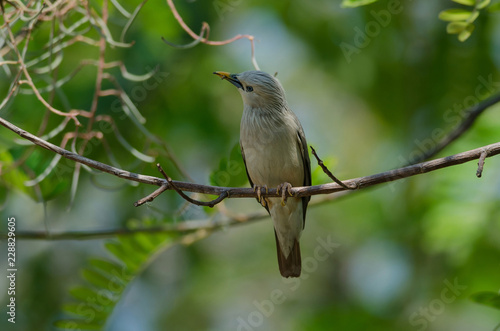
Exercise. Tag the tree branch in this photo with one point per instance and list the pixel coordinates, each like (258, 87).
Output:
(361, 182)
(167, 183)
(480, 164)
(328, 172)
(151, 196)
(180, 228)
(210, 204)
(472, 114)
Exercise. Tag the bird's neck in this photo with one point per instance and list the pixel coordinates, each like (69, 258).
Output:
(262, 119)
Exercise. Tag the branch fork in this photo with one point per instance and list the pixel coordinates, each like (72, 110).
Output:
(352, 185)
(171, 185)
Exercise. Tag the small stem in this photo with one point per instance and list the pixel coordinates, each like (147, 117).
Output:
(210, 204)
(328, 172)
(480, 164)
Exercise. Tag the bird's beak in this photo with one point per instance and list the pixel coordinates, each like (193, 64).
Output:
(230, 78)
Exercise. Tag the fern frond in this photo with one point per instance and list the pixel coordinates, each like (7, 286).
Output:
(105, 280)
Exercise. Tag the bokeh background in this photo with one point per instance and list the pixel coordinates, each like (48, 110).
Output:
(402, 256)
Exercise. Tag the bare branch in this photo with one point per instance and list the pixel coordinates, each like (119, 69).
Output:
(210, 204)
(328, 172)
(71, 114)
(180, 228)
(480, 164)
(361, 182)
(151, 196)
(39, 11)
(472, 114)
(204, 28)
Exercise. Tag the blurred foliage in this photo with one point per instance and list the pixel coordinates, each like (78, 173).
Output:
(372, 90)
(356, 3)
(107, 280)
(231, 171)
(461, 20)
(487, 298)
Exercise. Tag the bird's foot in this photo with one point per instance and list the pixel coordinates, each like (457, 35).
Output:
(284, 188)
(258, 189)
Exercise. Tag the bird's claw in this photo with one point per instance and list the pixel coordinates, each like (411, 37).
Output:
(284, 188)
(258, 189)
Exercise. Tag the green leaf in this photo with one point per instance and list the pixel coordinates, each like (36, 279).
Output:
(473, 17)
(131, 246)
(466, 2)
(82, 293)
(356, 3)
(109, 279)
(465, 34)
(135, 251)
(91, 314)
(491, 299)
(456, 27)
(74, 324)
(454, 14)
(158, 239)
(99, 280)
(482, 4)
(112, 269)
(145, 241)
(494, 7)
(119, 252)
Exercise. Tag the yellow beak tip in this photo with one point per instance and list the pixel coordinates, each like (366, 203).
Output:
(222, 74)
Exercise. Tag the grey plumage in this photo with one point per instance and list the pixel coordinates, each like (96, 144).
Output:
(274, 150)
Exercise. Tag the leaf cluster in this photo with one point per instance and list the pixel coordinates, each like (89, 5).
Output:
(105, 280)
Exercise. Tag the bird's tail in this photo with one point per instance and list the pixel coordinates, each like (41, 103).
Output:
(289, 266)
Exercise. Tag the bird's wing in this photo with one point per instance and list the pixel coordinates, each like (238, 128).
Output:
(248, 175)
(307, 167)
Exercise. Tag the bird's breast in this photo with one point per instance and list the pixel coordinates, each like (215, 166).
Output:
(271, 149)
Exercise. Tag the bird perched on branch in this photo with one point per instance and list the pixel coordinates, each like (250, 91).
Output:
(275, 153)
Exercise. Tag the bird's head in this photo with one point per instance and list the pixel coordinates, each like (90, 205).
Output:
(257, 88)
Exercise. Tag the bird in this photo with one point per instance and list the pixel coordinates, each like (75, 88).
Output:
(275, 154)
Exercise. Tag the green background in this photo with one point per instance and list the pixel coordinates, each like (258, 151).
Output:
(397, 247)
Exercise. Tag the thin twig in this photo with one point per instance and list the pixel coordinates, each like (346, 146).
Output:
(328, 172)
(12, 90)
(73, 113)
(210, 204)
(181, 227)
(131, 19)
(151, 196)
(8, 62)
(205, 40)
(204, 28)
(100, 68)
(472, 114)
(480, 164)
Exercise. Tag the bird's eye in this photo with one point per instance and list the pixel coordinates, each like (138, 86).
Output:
(249, 89)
